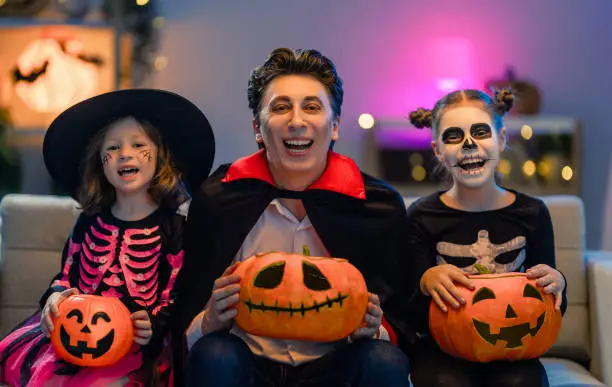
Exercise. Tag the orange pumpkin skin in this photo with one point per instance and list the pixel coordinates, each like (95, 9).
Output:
(297, 297)
(506, 317)
(92, 331)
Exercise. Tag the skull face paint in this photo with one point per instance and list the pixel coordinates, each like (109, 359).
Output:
(468, 145)
(498, 258)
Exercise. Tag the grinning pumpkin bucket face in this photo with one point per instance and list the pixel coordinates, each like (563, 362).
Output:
(292, 296)
(92, 331)
(506, 317)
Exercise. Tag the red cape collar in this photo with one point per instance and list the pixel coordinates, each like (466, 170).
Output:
(342, 175)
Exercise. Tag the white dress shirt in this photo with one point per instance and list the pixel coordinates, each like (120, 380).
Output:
(277, 229)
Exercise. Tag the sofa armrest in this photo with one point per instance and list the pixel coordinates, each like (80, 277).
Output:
(599, 272)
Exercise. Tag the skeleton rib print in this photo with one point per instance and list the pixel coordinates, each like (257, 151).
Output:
(129, 258)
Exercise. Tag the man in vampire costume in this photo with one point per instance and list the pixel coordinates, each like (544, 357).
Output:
(295, 194)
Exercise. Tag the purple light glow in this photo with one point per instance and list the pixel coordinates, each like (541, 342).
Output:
(404, 138)
(450, 59)
(447, 65)
(448, 85)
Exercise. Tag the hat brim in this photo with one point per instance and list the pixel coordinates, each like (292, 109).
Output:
(185, 130)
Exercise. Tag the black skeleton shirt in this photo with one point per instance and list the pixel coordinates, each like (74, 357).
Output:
(510, 239)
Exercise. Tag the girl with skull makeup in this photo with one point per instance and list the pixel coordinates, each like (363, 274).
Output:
(128, 157)
(474, 224)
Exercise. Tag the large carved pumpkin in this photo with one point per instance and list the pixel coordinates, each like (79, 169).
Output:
(506, 317)
(292, 296)
(92, 331)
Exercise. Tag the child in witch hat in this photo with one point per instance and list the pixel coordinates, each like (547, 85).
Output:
(129, 158)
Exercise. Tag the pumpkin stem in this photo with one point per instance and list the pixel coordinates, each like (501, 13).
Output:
(481, 269)
(305, 250)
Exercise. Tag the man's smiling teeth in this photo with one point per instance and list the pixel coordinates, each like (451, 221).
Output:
(298, 145)
(127, 171)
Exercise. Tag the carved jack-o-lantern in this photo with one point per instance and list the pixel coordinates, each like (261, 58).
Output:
(506, 317)
(92, 331)
(292, 296)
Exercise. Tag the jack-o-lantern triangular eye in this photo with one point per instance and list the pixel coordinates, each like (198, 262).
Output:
(270, 276)
(531, 291)
(483, 294)
(313, 278)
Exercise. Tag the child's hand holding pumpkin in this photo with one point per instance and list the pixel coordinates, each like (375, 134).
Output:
(439, 283)
(51, 306)
(371, 321)
(143, 329)
(220, 309)
(550, 279)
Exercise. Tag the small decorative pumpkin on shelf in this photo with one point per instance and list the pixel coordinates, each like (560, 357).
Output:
(506, 317)
(294, 296)
(528, 97)
(92, 331)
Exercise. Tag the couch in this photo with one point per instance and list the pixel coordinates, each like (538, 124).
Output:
(34, 228)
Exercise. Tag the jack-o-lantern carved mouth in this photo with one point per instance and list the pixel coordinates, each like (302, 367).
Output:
(512, 335)
(302, 309)
(81, 348)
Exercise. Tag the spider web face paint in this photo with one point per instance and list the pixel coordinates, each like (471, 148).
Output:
(128, 157)
(146, 154)
(106, 157)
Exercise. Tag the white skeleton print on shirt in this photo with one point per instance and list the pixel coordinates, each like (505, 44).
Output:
(498, 258)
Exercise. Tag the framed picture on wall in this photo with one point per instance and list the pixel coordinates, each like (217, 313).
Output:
(44, 69)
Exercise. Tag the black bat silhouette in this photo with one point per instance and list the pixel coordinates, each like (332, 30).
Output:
(33, 76)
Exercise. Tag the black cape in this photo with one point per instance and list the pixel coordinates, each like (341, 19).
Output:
(357, 217)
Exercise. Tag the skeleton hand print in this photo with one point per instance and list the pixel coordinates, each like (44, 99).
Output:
(498, 258)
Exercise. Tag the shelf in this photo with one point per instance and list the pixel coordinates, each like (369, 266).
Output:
(12, 22)
(536, 162)
(559, 124)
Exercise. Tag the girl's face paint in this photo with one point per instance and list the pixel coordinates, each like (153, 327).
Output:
(468, 146)
(128, 157)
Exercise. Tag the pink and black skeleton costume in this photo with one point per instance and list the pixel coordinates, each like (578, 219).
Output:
(135, 261)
